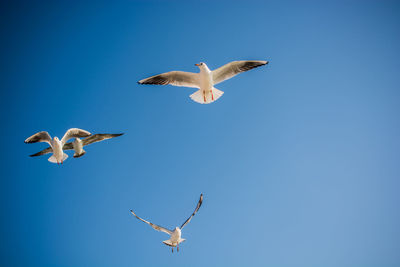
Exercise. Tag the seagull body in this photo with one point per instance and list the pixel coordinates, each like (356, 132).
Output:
(78, 144)
(205, 79)
(175, 239)
(56, 145)
(176, 234)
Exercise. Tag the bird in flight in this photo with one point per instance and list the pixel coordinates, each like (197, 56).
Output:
(175, 235)
(205, 79)
(56, 145)
(78, 144)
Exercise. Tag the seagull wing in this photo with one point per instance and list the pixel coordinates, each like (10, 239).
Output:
(155, 226)
(194, 212)
(43, 152)
(98, 137)
(233, 68)
(177, 78)
(67, 146)
(73, 133)
(39, 137)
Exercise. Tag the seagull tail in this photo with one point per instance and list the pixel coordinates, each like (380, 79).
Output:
(77, 155)
(53, 159)
(207, 98)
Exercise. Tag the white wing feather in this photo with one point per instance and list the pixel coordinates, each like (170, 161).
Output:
(177, 78)
(155, 226)
(233, 68)
(39, 137)
(73, 133)
(194, 212)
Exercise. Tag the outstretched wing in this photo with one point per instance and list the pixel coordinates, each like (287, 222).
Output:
(67, 146)
(43, 152)
(194, 212)
(155, 226)
(73, 133)
(234, 68)
(98, 137)
(39, 137)
(177, 78)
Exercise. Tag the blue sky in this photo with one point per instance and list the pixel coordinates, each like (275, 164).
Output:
(298, 160)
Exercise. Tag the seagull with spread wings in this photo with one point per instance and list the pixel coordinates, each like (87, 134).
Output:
(205, 79)
(78, 144)
(175, 235)
(56, 145)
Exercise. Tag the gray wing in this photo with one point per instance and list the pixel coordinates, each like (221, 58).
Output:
(155, 226)
(177, 78)
(235, 67)
(98, 137)
(39, 137)
(194, 212)
(67, 146)
(73, 133)
(43, 152)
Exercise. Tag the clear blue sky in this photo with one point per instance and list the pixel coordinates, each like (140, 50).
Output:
(298, 160)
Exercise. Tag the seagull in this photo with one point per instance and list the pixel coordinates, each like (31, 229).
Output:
(78, 144)
(175, 235)
(56, 145)
(205, 80)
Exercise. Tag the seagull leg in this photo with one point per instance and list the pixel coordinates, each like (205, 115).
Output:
(212, 95)
(172, 249)
(204, 95)
(177, 248)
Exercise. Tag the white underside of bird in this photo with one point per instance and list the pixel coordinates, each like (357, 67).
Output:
(56, 145)
(175, 238)
(175, 235)
(205, 80)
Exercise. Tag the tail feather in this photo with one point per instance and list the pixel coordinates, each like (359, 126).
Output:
(52, 159)
(77, 155)
(208, 98)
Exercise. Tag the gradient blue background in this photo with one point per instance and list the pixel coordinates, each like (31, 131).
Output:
(298, 161)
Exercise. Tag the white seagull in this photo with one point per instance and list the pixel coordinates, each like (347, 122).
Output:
(175, 235)
(57, 145)
(78, 144)
(205, 79)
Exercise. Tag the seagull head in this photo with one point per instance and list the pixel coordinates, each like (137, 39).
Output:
(202, 66)
(56, 139)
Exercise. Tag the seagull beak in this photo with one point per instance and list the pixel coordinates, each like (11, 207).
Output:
(197, 64)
